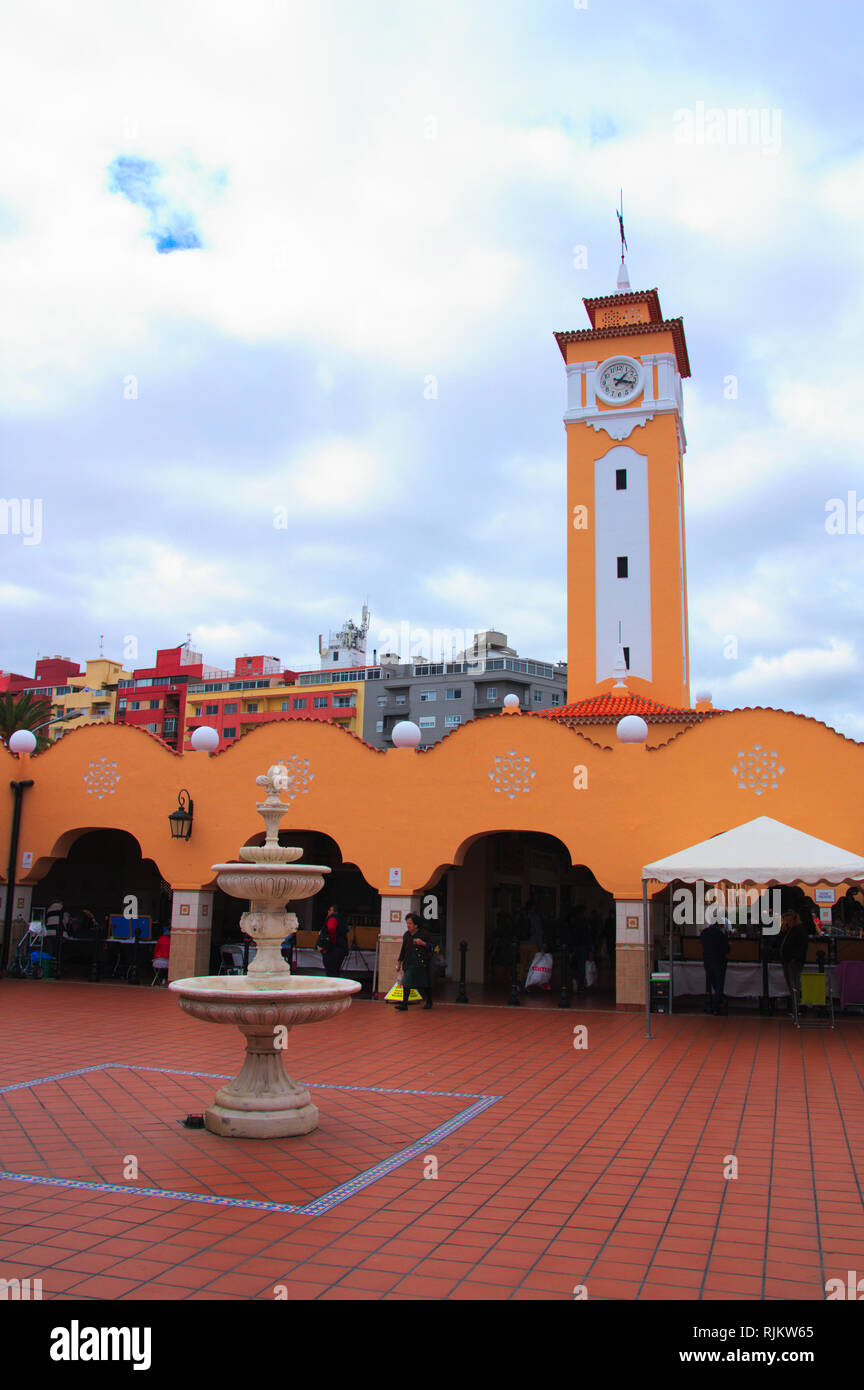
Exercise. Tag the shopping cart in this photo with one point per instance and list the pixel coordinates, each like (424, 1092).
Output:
(31, 958)
(815, 1008)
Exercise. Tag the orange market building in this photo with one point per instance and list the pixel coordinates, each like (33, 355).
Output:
(511, 803)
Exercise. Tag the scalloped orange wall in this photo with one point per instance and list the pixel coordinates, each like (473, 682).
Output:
(418, 811)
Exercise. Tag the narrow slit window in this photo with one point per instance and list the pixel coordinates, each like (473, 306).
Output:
(621, 479)
(626, 651)
(622, 566)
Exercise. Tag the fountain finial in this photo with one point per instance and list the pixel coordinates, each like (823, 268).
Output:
(276, 779)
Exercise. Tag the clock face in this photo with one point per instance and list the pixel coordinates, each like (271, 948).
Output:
(619, 380)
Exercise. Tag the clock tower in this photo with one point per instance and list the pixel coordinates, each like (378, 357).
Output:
(626, 568)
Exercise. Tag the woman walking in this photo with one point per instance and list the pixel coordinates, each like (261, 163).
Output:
(414, 962)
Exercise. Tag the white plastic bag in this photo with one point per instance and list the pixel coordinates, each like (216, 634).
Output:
(590, 973)
(539, 971)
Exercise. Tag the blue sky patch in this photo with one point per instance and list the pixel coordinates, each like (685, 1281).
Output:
(138, 180)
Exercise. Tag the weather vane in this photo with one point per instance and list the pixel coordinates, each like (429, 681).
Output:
(620, 216)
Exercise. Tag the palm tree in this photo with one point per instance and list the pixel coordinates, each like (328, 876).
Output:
(25, 711)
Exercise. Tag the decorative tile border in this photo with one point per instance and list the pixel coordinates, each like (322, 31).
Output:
(319, 1205)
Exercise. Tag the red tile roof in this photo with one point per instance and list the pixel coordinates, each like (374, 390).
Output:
(608, 709)
(612, 301)
(629, 330)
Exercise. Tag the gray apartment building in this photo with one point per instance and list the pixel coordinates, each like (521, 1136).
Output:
(441, 696)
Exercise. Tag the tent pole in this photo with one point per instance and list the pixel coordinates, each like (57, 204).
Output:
(671, 953)
(645, 930)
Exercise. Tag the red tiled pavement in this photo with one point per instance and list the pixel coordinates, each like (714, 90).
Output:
(600, 1167)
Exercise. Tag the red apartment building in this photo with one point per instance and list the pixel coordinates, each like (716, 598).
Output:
(155, 697)
(50, 678)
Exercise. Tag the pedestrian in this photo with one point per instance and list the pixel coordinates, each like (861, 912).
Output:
(162, 953)
(333, 942)
(715, 949)
(54, 917)
(793, 952)
(414, 960)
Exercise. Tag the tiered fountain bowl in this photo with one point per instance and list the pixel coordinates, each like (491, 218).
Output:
(262, 1102)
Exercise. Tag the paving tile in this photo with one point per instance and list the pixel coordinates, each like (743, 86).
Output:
(615, 1185)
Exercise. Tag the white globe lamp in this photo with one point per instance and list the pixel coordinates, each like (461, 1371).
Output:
(631, 729)
(22, 741)
(511, 702)
(406, 734)
(204, 739)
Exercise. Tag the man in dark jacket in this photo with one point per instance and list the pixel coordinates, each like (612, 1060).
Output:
(793, 951)
(715, 949)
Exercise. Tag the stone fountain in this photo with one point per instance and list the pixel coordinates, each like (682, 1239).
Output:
(262, 1102)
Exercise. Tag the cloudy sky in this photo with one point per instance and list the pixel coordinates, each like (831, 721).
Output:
(304, 259)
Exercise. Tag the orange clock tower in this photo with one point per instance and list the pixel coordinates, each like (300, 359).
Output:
(626, 568)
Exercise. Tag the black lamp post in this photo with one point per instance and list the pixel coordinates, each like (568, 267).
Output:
(180, 820)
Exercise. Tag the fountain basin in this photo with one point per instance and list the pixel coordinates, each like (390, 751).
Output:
(263, 1102)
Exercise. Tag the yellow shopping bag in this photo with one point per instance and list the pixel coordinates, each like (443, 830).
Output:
(397, 996)
(813, 987)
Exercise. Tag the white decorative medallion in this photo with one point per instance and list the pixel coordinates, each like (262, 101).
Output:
(296, 776)
(512, 774)
(758, 771)
(102, 778)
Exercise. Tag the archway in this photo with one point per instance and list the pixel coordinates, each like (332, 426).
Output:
(524, 886)
(358, 902)
(104, 872)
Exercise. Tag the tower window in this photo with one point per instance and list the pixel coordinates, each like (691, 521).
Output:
(626, 651)
(621, 479)
(622, 566)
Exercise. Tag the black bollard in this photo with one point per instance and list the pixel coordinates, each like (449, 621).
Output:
(95, 975)
(514, 982)
(462, 996)
(132, 976)
(564, 1000)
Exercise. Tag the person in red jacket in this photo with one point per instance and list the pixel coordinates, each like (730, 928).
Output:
(161, 952)
(333, 942)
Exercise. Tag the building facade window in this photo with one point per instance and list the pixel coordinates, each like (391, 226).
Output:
(285, 705)
(136, 704)
(426, 696)
(229, 733)
(230, 709)
(211, 709)
(299, 702)
(382, 699)
(152, 728)
(556, 698)
(155, 704)
(379, 726)
(320, 702)
(621, 479)
(343, 701)
(427, 721)
(538, 697)
(492, 693)
(452, 720)
(622, 566)
(454, 694)
(253, 708)
(401, 699)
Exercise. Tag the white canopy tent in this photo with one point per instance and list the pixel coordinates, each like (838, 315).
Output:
(761, 851)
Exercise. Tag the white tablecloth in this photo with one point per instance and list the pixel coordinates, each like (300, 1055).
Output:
(743, 979)
(355, 963)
